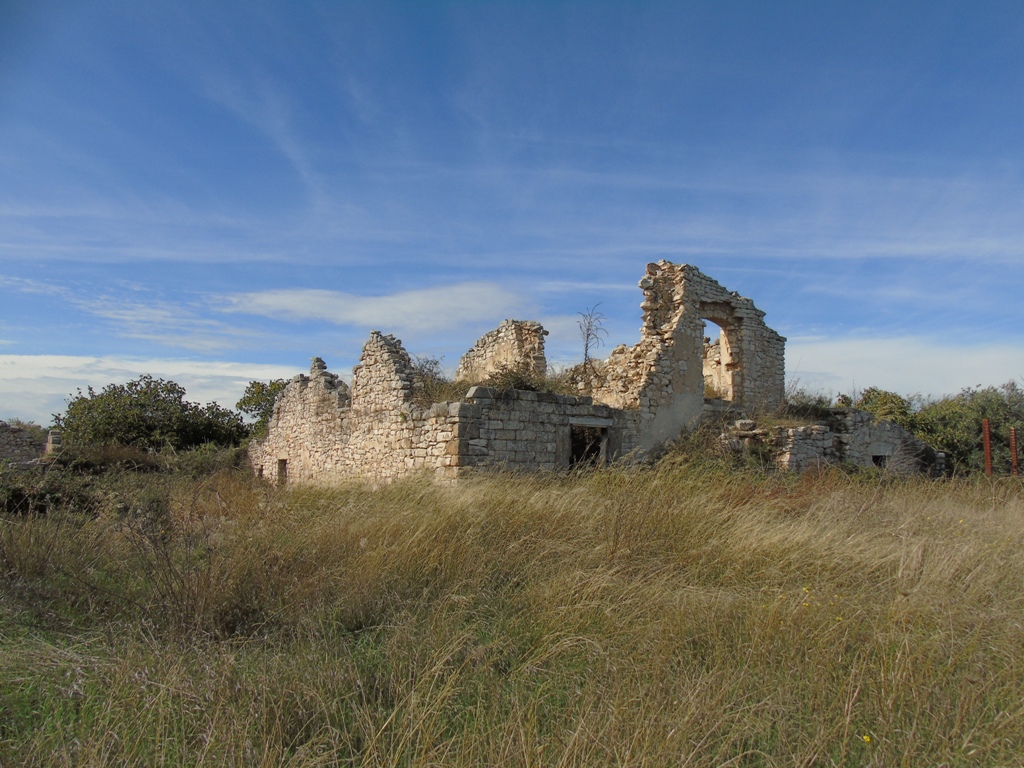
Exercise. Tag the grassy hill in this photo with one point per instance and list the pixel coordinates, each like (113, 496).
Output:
(680, 615)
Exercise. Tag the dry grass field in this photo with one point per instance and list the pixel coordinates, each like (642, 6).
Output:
(685, 615)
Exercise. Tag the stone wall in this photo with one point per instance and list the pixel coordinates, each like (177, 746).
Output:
(540, 431)
(849, 436)
(515, 344)
(321, 431)
(715, 381)
(17, 445)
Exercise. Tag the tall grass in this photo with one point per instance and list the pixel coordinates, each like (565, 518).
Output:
(675, 616)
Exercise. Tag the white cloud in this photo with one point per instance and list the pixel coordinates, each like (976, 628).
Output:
(36, 386)
(426, 310)
(905, 364)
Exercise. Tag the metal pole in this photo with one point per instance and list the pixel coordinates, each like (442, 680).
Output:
(1013, 451)
(986, 439)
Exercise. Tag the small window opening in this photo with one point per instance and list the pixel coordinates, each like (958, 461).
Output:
(588, 446)
(282, 471)
(259, 472)
(880, 461)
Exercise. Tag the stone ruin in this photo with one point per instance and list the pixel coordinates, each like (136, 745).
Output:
(629, 405)
(17, 445)
(667, 374)
(843, 436)
(513, 345)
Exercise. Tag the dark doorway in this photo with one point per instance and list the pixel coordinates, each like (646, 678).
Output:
(282, 471)
(588, 446)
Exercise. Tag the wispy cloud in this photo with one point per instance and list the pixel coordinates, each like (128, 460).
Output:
(168, 323)
(36, 386)
(426, 310)
(175, 324)
(265, 106)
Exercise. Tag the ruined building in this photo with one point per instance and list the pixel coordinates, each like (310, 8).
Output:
(636, 400)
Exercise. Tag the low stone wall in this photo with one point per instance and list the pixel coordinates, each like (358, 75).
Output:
(849, 436)
(17, 445)
(528, 431)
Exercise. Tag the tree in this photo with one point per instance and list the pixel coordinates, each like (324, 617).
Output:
(591, 324)
(258, 402)
(147, 413)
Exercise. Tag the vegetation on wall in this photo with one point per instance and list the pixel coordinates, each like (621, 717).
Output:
(34, 431)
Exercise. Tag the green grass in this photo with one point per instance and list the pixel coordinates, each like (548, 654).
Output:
(683, 615)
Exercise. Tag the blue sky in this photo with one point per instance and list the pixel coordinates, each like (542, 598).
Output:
(216, 192)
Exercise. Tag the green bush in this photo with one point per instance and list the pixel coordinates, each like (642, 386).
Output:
(953, 425)
(147, 413)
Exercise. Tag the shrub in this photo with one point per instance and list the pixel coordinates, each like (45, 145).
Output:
(430, 384)
(147, 413)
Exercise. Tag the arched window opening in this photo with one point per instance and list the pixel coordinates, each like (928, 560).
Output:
(718, 362)
(722, 361)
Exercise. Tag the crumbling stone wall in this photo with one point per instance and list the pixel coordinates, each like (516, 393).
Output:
(515, 344)
(848, 436)
(17, 445)
(663, 375)
(322, 431)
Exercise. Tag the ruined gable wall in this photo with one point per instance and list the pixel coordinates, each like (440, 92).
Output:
(309, 425)
(514, 344)
(17, 445)
(663, 374)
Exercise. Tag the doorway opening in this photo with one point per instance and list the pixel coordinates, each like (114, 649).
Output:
(589, 446)
(722, 365)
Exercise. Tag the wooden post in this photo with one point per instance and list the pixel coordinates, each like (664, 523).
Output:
(1013, 451)
(986, 440)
